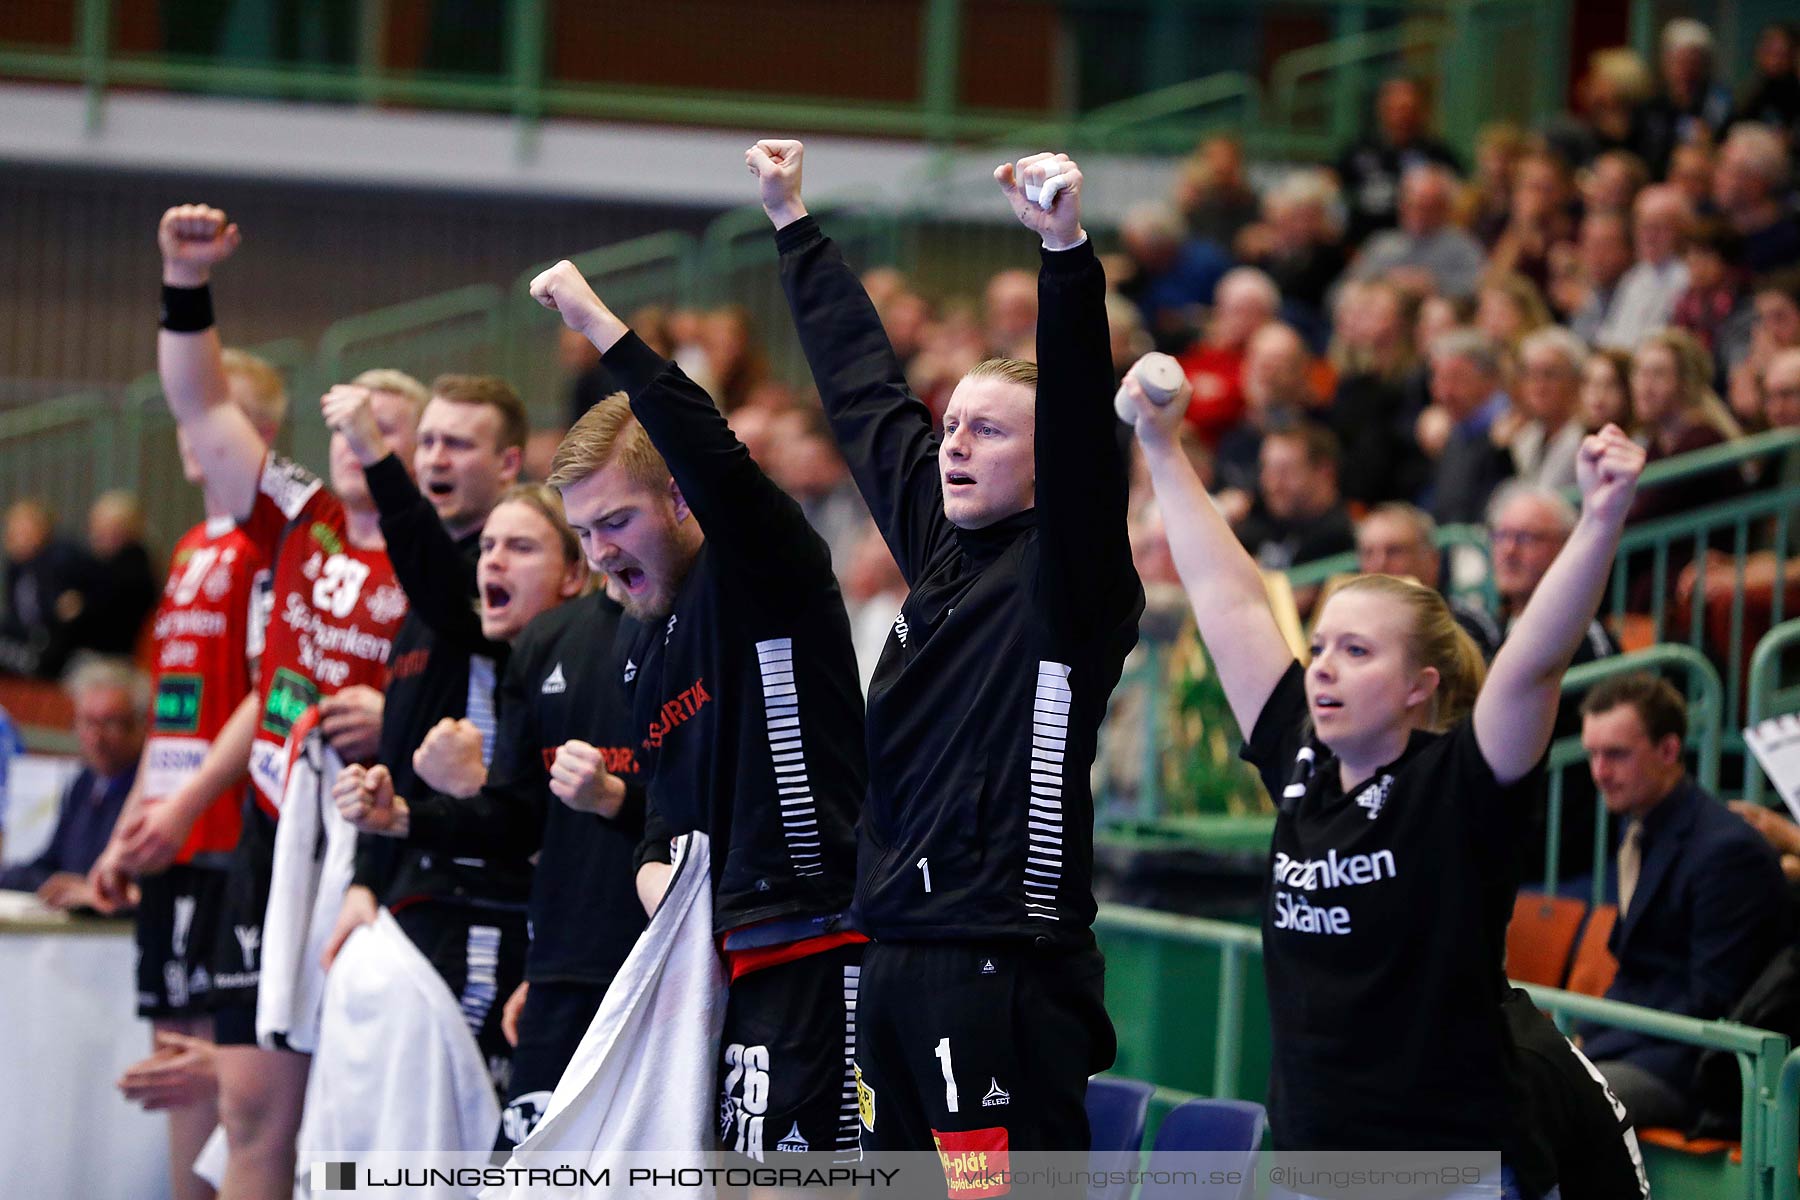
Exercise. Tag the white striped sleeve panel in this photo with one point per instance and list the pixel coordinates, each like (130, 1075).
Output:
(1044, 819)
(781, 709)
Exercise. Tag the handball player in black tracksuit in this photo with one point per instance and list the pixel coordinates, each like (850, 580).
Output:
(748, 712)
(1402, 782)
(981, 1013)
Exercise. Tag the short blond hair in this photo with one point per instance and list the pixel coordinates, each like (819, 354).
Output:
(266, 401)
(606, 434)
(399, 383)
(1011, 370)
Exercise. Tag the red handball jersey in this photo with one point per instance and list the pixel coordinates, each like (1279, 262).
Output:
(334, 610)
(203, 644)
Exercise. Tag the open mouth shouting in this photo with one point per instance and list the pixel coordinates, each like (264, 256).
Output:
(957, 480)
(495, 597)
(635, 580)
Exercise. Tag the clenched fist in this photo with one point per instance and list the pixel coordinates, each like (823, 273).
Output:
(365, 797)
(348, 410)
(580, 780)
(1060, 226)
(564, 292)
(449, 759)
(193, 239)
(1606, 471)
(776, 165)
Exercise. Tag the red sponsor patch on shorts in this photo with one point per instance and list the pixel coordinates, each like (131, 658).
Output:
(975, 1162)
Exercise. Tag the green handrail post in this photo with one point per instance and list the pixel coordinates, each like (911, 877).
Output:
(1551, 70)
(1765, 692)
(1784, 1141)
(941, 54)
(1457, 102)
(527, 35)
(95, 35)
(371, 48)
(1228, 1038)
(1349, 89)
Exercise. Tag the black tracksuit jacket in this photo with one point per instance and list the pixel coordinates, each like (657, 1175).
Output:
(749, 710)
(428, 671)
(562, 682)
(988, 697)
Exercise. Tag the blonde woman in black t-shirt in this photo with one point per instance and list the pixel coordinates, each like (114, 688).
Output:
(1402, 780)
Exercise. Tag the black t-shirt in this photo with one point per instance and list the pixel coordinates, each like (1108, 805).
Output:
(1278, 543)
(1384, 938)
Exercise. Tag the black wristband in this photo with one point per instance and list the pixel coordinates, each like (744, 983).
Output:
(187, 309)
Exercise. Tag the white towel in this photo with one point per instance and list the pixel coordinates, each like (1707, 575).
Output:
(315, 857)
(645, 1077)
(397, 1068)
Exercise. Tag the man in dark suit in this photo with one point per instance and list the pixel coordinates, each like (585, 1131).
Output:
(1702, 902)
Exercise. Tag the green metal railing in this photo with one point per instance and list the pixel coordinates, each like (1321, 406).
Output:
(1770, 1074)
(529, 87)
(1768, 698)
(1456, 540)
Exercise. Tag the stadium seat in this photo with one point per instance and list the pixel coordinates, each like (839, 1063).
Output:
(1540, 938)
(1594, 966)
(1116, 1111)
(1674, 1139)
(1220, 1127)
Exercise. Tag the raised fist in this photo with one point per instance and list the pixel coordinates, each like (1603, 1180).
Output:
(365, 797)
(1606, 471)
(193, 238)
(348, 410)
(580, 780)
(776, 165)
(1060, 177)
(564, 291)
(449, 759)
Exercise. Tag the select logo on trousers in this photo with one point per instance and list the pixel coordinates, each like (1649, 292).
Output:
(794, 1142)
(554, 683)
(996, 1095)
(333, 1177)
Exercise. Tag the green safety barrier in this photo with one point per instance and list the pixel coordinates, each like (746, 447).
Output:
(63, 452)
(1768, 698)
(1164, 970)
(659, 268)
(1458, 43)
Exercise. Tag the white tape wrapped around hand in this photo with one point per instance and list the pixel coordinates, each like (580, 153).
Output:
(1161, 378)
(1044, 195)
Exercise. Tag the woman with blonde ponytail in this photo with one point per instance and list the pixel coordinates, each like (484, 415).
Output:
(1402, 780)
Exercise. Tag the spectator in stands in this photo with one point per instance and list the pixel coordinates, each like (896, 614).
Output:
(874, 590)
(1130, 340)
(1613, 95)
(1750, 188)
(1714, 307)
(1508, 307)
(1214, 197)
(1606, 391)
(1401, 539)
(1772, 96)
(1702, 901)
(1774, 327)
(44, 575)
(1009, 315)
(1372, 169)
(1426, 252)
(1588, 287)
(1247, 300)
(807, 466)
(120, 588)
(734, 355)
(1543, 431)
(111, 699)
(1370, 411)
(1466, 390)
(1613, 181)
(1298, 515)
(1661, 220)
(1171, 276)
(1541, 217)
(1277, 395)
(1300, 244)
(1677, 413)
(1485, 208)
(1692, 106)
(1691, 173)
